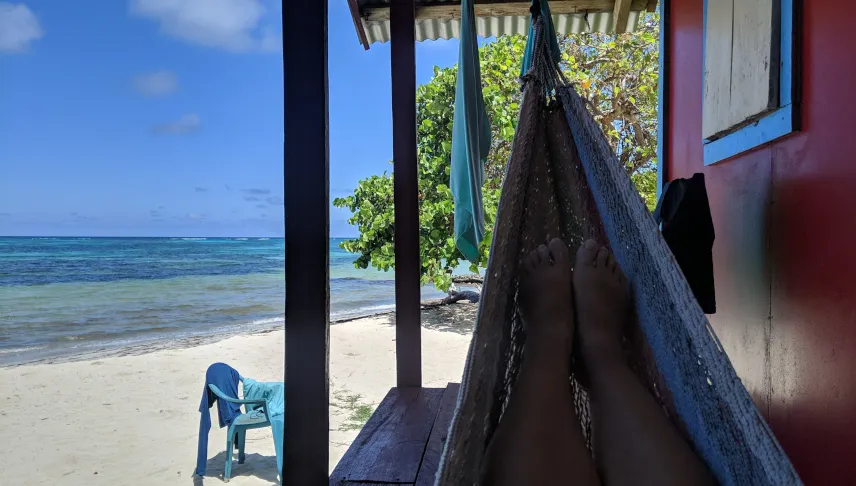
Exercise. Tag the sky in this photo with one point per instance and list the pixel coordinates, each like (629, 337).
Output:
(165, 117)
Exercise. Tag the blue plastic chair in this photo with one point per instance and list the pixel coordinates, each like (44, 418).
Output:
(255, 417)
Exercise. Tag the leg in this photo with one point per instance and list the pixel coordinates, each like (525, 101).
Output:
(634, 442)
(242, 441)
(539, 440)
(230, 437)
(277, 425)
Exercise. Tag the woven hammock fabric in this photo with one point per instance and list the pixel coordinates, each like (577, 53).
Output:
(564, 180)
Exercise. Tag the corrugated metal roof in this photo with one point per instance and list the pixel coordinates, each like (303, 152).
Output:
(433, 29)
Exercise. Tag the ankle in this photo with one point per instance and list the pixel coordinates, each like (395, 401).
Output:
(556, 337)
(543, 353)
(602, 356)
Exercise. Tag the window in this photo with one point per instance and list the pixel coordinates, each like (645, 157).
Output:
(748, 75)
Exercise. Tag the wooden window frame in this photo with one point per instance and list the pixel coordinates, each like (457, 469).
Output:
(779, 122)
(663, 105)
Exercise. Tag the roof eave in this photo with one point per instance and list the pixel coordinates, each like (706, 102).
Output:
(359, 24)
(369, 15)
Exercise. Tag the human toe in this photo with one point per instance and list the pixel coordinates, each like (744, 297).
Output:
(602, 257)
(559, 251)
(586, 254)
(544, 255)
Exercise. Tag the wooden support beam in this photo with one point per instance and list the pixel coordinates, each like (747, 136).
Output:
(408, 329)
(359, 24)
(620, 16)
(452, 10)
(307, 223)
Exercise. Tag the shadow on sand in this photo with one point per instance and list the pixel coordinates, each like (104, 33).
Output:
(262, 467)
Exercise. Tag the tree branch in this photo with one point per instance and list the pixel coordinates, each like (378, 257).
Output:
(468, 279)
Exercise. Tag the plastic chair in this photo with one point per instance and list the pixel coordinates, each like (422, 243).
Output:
(255, 417)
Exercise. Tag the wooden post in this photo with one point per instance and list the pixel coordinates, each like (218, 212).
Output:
(307, 222)
(408, 345)
(620, 16)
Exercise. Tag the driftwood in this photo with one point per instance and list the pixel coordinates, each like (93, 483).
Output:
(468, 280)
(453, 297)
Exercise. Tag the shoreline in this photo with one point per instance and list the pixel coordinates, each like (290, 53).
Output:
(141, 411)
(167, 343)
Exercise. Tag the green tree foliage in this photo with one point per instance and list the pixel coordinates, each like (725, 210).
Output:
(617, 74)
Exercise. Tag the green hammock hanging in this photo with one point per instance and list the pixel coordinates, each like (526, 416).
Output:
(564, 180)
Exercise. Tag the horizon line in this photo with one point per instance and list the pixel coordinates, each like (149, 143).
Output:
(173, 236)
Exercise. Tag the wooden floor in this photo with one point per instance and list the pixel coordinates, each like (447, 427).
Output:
(402, 441)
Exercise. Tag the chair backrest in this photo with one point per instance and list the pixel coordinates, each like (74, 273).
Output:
(249, 405)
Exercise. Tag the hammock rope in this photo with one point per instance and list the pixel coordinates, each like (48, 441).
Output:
(563, 179)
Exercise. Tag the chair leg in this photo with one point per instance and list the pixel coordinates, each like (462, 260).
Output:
(242, 441)
(230, 436)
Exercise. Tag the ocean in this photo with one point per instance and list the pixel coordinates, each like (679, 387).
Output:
(61, 297)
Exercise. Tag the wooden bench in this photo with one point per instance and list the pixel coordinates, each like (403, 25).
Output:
(403, 440)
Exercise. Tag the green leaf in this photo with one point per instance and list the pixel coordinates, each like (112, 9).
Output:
(628, 62)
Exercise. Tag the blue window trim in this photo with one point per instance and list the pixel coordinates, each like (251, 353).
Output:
(775, 124)
(663, 109)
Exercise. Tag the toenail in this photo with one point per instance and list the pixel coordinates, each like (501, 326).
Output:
(591, 245)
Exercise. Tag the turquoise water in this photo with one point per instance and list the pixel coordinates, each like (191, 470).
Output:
(66, 296)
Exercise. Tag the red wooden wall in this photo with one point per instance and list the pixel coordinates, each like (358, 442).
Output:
(785, 250)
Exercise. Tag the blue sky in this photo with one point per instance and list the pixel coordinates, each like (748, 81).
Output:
(164, 117)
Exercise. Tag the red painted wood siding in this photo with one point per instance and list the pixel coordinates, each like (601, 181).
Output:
(785, 251)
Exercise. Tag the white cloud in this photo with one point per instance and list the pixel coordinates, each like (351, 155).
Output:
(158, 83)
(186, 124)
(271, 40)
(234, 25)
(18, 27)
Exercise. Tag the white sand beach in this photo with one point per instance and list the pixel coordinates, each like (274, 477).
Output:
(135, 420)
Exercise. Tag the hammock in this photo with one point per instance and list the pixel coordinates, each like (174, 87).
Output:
(563, 180)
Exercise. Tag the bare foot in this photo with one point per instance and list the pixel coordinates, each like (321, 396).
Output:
(545, 298)
(602, 303)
